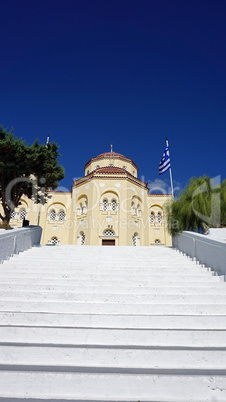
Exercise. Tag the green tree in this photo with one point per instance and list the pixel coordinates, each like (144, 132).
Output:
(25, 170)
(199, 206)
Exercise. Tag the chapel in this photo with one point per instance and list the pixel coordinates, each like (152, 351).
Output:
(108, 206)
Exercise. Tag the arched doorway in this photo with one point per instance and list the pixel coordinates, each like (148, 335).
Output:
(108, 239)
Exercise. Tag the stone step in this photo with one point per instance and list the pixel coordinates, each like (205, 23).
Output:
(65, 386)
(142, 255)
(101, 264)
(122, 276)
(117, 269)
(112, 298)
(101, 259)
(109, 281)
(23, 269)
(111, 308)
(78, 359)
(112, 337)
(111, 324)
(113, 321)
(200, 289)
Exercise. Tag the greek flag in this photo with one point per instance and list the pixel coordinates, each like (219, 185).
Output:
(165, 162)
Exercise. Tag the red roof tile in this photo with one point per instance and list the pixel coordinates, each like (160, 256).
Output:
(111, 154)
(110, 169)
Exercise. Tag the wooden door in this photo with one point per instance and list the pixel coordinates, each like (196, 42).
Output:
(110, 242)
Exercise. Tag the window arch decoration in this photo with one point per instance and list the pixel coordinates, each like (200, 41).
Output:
(156, 215)
(79, 210)
(84, 208)
(159, 217)
(114, 205)
(22, 214)
(152, 217)
(62, 215)
(108, 232)
(82, 205)
(13, 215)
(136, 206)
(109, 201)
(82, 238)
(105, 204)
(52, 215)
(54, 241)
(135, 240)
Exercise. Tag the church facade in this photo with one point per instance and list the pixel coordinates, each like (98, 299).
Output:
(109, 205)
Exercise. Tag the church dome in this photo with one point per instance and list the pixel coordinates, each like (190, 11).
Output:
(111, 159)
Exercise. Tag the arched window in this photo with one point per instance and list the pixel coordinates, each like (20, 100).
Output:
(105, 204)
(87, 172)
(113, 205)
(135, 240)
(108, 232)
(152, 217)
(13, 215)
(157, 241)
(82, 238)
(62, 216)
(159, 217)
(54, 241)
(52, 215)
(84, 208)
(136, 206)
(124, 167)
(22, 214)
(97, 166)
(79, 210)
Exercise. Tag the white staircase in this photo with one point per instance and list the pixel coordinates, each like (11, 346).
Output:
(111, 324)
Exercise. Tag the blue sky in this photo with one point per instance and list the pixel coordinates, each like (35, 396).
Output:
(132, 72)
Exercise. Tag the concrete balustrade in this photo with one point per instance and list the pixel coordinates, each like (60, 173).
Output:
(207, 251)
(17, 240)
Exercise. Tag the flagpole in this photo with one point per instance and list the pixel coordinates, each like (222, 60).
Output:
(170, 171)
(47, 141)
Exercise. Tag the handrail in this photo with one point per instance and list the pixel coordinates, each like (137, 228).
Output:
(209, 252)
(17, 240)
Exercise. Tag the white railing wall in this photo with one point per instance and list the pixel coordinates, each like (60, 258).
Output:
(16, 240)
(209, 252)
